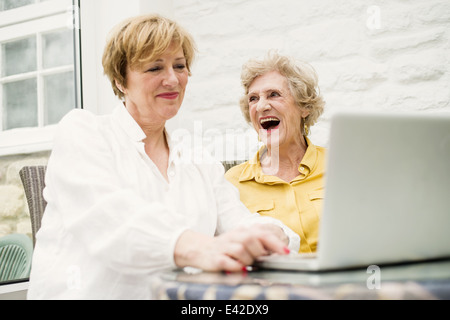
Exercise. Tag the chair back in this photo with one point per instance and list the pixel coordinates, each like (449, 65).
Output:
(230, 164)
(16, 251)
(33, 180)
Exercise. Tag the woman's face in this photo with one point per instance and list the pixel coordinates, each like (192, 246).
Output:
(154, 93)
(273, 111)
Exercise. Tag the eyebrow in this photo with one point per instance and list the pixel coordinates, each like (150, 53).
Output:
(267, 90)
(176, 59)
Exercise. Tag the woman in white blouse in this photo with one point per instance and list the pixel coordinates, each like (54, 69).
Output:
(124, 201)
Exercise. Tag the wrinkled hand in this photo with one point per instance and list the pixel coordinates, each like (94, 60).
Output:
(231, 251)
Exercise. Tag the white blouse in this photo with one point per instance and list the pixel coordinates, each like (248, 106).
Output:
(112, 220)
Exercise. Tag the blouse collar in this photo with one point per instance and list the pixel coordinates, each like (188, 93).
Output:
(135, 133)
(128, 124)
(253, 170)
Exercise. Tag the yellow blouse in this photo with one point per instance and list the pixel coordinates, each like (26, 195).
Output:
(298, 204)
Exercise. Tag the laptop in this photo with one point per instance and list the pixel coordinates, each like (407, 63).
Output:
(387, 193)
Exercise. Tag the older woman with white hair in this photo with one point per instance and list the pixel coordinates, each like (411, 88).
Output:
(285, 178)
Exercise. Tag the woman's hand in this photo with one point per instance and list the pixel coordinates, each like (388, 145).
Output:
(231, 251)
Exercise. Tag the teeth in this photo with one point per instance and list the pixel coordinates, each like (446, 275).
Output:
(268, 119)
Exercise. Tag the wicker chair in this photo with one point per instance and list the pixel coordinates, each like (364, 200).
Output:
(230, 164)
(33, 180)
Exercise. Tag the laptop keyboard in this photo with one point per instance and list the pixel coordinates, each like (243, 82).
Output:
(290, 256)
(295, 255)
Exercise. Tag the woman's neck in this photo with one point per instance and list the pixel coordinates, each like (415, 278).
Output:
(157, 149)
(284, 160)
(155, 142)
(155, 136)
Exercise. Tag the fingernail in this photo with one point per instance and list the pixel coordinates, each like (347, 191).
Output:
(286, 250)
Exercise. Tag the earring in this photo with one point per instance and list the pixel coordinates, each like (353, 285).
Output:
(305, 127)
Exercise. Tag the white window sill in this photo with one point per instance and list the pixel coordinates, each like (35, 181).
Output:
(23, 141)
(15, 291)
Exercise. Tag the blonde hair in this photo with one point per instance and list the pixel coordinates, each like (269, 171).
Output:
(301, 77)
(140, 40)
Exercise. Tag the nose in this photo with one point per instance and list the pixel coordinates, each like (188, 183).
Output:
(263, 105)
(170, 78)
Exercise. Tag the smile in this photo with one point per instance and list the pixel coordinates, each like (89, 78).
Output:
(168, 95)
(269, 123)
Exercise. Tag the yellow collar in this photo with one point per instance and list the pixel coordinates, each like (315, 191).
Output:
(253, 170)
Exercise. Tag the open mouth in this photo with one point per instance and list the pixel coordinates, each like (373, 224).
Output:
(269, 123)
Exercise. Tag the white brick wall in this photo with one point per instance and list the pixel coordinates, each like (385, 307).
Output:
(383, 55)
(380, 54)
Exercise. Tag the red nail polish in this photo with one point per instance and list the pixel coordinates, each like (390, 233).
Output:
(286, 250)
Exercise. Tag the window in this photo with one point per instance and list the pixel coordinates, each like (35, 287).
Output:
(39, 84)
(38, 70)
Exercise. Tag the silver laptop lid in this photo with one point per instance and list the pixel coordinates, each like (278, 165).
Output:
(387, 196)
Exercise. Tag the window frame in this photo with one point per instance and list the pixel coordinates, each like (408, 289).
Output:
(39, 18)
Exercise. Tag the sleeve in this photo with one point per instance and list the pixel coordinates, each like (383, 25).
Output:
(110, 221)
(232, 212)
